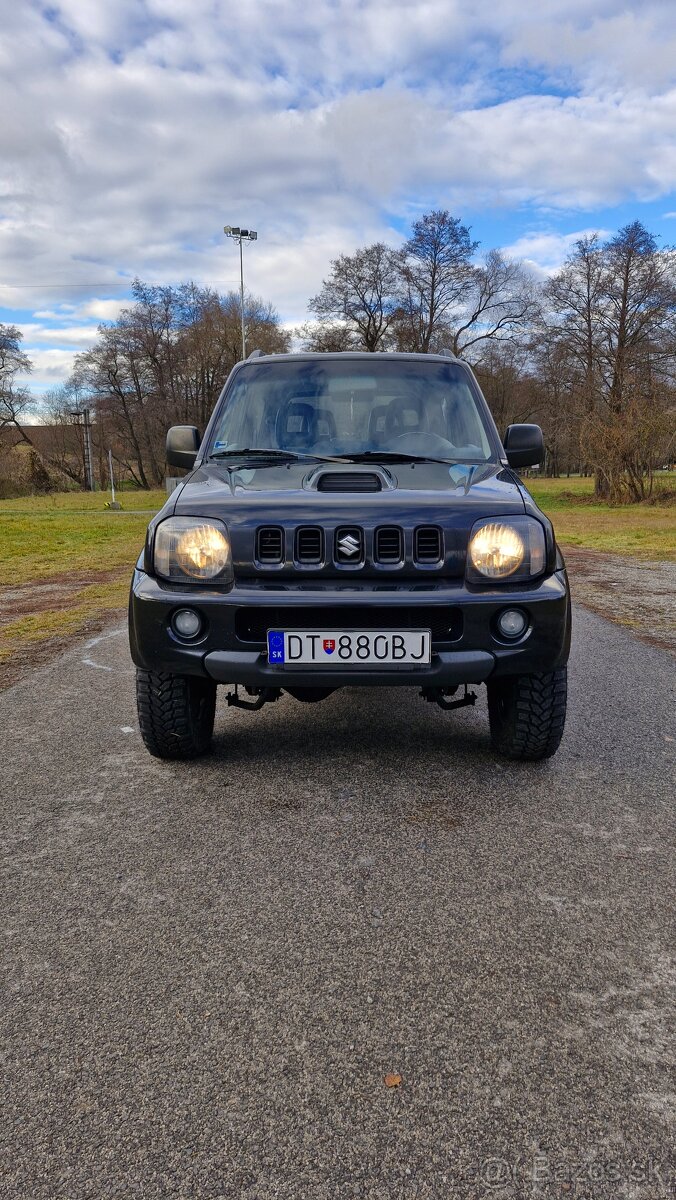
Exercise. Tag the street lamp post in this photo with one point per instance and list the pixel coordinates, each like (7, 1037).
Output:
(241, 235)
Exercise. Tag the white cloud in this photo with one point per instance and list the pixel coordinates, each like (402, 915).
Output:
(64, 312)
(50, 367)
(599, 45)
(545, 253)
(102, 310)
(96, 308)
(139, 128)
(80, 336)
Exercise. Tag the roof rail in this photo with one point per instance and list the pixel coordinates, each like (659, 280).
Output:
(256, 354)
(446, 353)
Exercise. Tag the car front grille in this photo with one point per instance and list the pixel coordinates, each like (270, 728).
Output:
(427, 544)
(388, 545)
(349, 546)
(270, 545)
(309, 545)
(252, 623)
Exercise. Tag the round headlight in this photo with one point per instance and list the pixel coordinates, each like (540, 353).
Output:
(192, 549)
(496, 550)
(202, 551)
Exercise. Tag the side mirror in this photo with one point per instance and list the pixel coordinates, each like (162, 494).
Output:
(183, 442)
(524, 445)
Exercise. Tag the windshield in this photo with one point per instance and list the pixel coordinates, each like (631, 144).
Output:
(334, 407)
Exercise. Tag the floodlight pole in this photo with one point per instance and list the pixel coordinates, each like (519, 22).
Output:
(240, 235)
(241, 296)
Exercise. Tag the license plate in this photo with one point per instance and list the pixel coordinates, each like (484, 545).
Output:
(341, 648)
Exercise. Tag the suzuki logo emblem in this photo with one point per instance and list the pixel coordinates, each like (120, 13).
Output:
(349, 545)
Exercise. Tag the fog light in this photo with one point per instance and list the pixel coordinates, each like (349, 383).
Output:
(512, 623)
(186, 623)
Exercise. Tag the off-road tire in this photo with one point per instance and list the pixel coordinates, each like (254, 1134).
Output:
(175, 713)
(527, 714)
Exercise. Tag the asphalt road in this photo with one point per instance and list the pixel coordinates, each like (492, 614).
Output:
(211, 968)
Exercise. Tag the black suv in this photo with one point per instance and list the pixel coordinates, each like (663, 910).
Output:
(351, 519)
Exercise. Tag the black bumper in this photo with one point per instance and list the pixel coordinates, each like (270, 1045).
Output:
(471, 653)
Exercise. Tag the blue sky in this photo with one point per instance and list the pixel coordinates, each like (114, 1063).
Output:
(138, 129)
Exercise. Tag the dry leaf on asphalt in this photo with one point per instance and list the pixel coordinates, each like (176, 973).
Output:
(392, 1080)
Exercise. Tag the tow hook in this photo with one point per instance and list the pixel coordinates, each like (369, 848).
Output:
(263, 696)
(438, 696)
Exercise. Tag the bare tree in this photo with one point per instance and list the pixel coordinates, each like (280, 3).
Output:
(506, 379)
(427, 295)
(14, 401)
(639, 317)
(501, 302)
(574, 296)
(613, 318)
(164, 361)
(435, 279)
(119, 376)
(59, 409)
(359, 296)
(560, 404)
(327, 337)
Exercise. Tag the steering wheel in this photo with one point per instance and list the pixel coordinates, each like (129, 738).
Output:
(394, 420)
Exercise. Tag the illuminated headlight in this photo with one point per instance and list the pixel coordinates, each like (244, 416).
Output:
(191, 549)
(511, 549)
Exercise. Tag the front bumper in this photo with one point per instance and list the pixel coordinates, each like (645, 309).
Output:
(471, 653)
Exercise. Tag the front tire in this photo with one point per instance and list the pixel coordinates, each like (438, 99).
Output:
(527, 714)
(175, 713)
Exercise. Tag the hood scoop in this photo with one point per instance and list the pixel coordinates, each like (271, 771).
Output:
(350, 480)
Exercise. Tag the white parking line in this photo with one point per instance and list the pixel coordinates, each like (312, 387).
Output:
(102, 637)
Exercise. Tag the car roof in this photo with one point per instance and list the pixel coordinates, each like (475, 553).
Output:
(360, 355)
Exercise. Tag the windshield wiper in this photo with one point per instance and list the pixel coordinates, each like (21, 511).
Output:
(275, 454)
(395, 456)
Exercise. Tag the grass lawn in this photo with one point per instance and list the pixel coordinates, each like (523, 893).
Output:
(639, 530)
(81, 554)
(45, 536)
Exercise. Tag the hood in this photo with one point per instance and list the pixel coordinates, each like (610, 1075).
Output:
(296, 489)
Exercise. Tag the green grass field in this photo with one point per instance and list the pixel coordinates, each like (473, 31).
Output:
(45, 536)
(641, 530)
(80, 551)
(83, 553)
